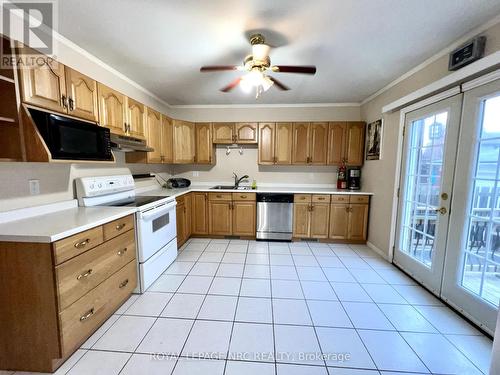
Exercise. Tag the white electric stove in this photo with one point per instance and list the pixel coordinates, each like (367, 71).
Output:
(155, 220)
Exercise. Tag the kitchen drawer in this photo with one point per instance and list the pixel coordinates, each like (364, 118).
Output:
(83, 317)
(117, 227)
(220, 197)
(72, 246)
(321, 198)
(244, 197)
(340, 198)
(359, 199)
(77, 276)
(302, 198)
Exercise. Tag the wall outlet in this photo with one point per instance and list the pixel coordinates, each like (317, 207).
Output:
(34, 187)
(196, 174)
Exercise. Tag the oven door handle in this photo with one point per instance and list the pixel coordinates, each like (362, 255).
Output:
(157, 211)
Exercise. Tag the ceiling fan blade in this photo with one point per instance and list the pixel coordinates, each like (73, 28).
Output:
(232, 85)
(218, 68)
(280, 85)
(307, 69)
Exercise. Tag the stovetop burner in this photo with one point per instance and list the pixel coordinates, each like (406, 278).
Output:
(136, 201)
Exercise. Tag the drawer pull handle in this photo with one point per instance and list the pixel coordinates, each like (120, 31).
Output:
(120, 226)
(219, 196)
(321, 198)
(85, 274)
(124, 283)
(123, 251)
(87, 315)
(82, 244)
(243, 196)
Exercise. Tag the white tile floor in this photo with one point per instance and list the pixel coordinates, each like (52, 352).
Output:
(282, 309)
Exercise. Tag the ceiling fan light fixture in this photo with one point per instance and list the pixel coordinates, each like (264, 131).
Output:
(260, 52)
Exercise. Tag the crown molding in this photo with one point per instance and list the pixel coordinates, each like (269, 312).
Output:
(242, 106)
(437, 56)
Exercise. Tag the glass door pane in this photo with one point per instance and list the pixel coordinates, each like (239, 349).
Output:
(429, 151)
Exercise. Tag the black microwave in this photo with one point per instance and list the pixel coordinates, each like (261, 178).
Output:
(71, 139)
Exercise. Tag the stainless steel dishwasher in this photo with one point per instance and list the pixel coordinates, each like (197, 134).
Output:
(274, 216)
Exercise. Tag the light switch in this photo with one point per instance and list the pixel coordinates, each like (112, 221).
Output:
(34, 187)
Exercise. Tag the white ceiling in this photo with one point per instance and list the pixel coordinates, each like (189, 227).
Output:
(358, 46)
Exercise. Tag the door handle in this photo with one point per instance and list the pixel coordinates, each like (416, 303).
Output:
(64, 101)
(441, 210)
(71, 104)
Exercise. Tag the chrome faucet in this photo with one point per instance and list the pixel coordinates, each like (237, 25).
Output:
(238, 180)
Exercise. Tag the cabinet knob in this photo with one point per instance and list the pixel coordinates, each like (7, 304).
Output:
(82, 244)
(84, 275)
(121, 252)
(87, 315)
(120, 226)
(123, 284)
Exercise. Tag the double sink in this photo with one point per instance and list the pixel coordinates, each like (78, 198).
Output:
(225, 187)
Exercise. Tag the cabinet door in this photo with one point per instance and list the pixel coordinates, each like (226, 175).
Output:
(220, 219)
(167, 136)
(355, 143)
(320, 218)
(244, 218)
(267, 134)
(181, 222)
(200, 213)
(284, 142)
(339, 217)
(184, 142)
(153, 123)
(336, 142)
(246, 132)
(204, 145)
(44, 85)
(112, 113)
(301, 220)
(82, 95)
(135, 118)
(301, 143)
(319, 143)
(188, 225)
(223, 132)
(358, 222)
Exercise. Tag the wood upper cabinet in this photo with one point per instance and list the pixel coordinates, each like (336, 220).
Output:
(220, 219)
(339, 218)
(244, 213)
(301, 143)
(44, 85)
(135, 118)
(337, 133)
(301, 220)
(284, 143)
(112, 109)
(318, 138)
(246, 132)
(355, 143)
(184, 142)
(199, 213)
(167, 136)
(204, 147)
(82, 95)
(223, 132)
(358, 222)
(153, 123)
(267, 142)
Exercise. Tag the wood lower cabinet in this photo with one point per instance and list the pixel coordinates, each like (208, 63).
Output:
(112, 109)
(220, 217)
(311, 215)
(339, 219)
(199, 213)
(52, 305)
(184, 142)
(183, 218)
(154, 133)
(205, 150)
(232, 214)
(82, 95)
(349, 220)
(301, 220)
(358, 222)
(244, 218)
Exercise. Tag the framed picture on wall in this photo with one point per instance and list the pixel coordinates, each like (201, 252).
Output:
(374, 140)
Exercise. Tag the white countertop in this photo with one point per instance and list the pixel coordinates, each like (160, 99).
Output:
(50, 227)
(267, 189)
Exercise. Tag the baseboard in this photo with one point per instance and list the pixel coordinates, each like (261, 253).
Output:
(378, 251)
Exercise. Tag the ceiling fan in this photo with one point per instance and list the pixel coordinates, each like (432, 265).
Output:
(257, 65)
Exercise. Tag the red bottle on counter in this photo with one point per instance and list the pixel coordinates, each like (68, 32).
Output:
(342, 176)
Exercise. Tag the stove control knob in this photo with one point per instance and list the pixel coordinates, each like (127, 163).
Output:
(92, 186)
(99, 185)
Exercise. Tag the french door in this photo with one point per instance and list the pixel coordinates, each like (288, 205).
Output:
(429, 153)
(471, 279)
(448, 228)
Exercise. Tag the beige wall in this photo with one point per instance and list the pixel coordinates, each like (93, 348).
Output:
(222, 172)
(379, 176)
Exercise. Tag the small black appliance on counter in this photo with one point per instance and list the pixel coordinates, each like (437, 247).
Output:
(174, 183)
(354, 179)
